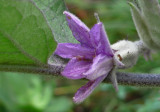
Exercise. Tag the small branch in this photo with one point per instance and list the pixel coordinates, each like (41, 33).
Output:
(132, 79)
(54, 70)
(137, 79)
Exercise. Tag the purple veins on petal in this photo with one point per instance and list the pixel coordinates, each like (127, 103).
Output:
(101, 65)
(69, 50)
(79, 30)
(100, 39)
(87, 89)
(75, 68)
(95, 35)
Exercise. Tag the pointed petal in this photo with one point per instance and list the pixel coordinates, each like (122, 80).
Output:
(87, 89)
(75, 68)
(69, 50)
(79, 29)
(100, 40)
(101, 65)
(95, 35)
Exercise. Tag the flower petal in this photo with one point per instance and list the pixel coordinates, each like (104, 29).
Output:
(87, 89)
(95, 35)
(101, 65)
(79, 29)
(75, 68)
(69, 50)
(100, 40)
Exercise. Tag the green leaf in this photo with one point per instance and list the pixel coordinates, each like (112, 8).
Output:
(142, 28)
(25, 37)
(62, 104)
(22, 92)
(53, 11)
(151, 12)
(155, 70)
(150, 105)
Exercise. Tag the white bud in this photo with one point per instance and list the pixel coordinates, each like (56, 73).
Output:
(127, 52)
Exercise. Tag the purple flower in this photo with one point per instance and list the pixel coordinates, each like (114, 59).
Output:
(92, 58)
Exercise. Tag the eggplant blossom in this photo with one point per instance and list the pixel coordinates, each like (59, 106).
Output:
(92, 58)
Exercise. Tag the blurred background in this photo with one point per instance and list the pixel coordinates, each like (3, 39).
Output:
(35, 93)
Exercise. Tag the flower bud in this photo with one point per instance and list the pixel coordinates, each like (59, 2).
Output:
(127, 52)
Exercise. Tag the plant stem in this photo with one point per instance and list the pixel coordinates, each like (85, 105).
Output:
(131, 79)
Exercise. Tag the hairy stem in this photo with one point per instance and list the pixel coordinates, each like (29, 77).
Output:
(132, 79)
(137, 79)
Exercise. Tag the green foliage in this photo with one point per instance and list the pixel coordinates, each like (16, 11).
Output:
(29, 93)
(141, 24)
(22, 91)
(118, 21)
(53, 11)
(151, 105)
(25, 37)
(61, 104)
(150, 11)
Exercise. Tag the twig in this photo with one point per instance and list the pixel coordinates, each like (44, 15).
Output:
(132, 79)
